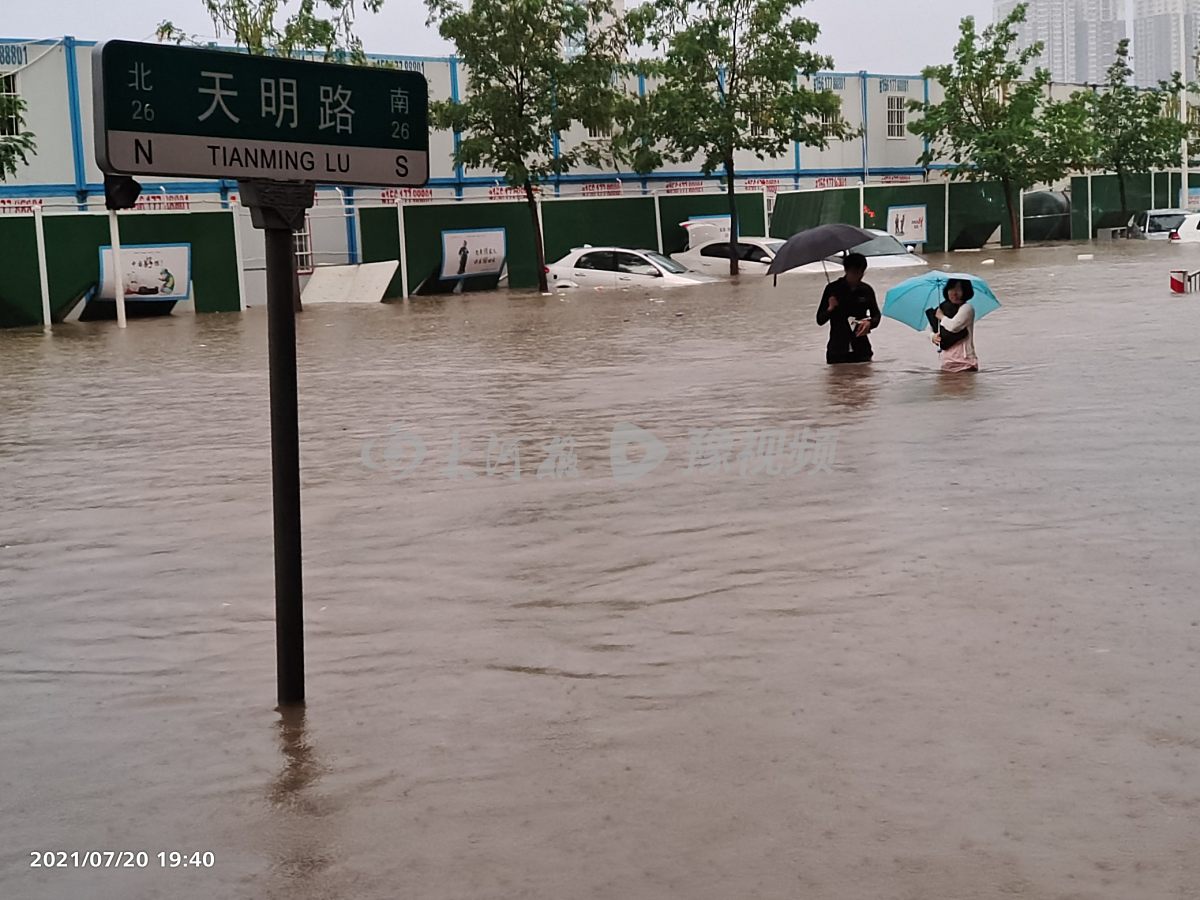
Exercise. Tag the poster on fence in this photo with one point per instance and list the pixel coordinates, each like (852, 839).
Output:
(907, 224)
(149, 272)
(467, 253)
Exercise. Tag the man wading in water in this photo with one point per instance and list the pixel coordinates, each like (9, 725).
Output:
(849, 306)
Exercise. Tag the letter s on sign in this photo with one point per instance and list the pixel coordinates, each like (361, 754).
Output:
(401, 166)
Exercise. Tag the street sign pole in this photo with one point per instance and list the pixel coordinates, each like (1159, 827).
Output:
(279, 127)
(278, 209)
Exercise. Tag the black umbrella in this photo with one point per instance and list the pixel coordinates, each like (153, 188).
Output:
(817, 244)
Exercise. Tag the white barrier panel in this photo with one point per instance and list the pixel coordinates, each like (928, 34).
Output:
(366, 283)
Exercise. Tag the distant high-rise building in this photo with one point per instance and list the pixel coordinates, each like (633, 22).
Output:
(1079, 37)
(1052, 22)
(1156, 39)
(1099, 27)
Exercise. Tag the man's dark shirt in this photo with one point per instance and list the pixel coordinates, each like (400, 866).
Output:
(852, 303)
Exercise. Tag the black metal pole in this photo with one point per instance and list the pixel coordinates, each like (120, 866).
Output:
(285, 466)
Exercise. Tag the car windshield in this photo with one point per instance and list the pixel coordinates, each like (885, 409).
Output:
(773, 246)
(1159, 224)
(666, 264)
(883, 245)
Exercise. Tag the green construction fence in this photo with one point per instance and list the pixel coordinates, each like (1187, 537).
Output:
(797, 211)
(73, 242)
(1102, 193)
(976, 210)
(645, 222)
(20, 288)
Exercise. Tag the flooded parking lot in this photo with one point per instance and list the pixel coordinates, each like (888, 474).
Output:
(942, 644)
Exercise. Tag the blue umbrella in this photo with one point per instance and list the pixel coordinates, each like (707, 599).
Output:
(908, 300)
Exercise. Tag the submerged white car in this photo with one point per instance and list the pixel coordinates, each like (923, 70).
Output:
(1187, 231)
(619, 267)
(755, 254)
(882, 252)
(1157, 224)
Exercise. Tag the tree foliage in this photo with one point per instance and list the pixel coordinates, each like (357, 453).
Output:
(274, 26)
(728, 77)
(1132, 129)
(16, 144)
(535, 68)
(997, 123)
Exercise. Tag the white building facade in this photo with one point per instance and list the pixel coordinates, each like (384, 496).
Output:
(54, 77)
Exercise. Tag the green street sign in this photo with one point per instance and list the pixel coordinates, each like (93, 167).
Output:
(165, 110)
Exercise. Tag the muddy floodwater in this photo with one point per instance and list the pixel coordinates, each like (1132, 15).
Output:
(615, 596)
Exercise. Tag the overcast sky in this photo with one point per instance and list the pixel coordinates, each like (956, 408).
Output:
(877, 35)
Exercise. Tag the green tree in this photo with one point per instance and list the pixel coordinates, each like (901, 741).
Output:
(534, 68)
(728, 79)
(997, 123)
(16, 144)
(1132, 129)
(262, 26)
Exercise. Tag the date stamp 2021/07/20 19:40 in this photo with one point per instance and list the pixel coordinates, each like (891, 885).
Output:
(122, 859)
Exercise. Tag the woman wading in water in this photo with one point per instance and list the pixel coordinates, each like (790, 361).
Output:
(955, 331)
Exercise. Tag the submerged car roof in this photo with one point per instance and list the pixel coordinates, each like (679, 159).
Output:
(588, 248)
(744, 239)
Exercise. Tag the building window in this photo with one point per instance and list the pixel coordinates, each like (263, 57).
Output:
(896, 117)
(302, 245)
(760, 116)
(9, 123)
(831, 120)
(600, 130)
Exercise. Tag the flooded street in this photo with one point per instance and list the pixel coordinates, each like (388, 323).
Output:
(956, 656)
